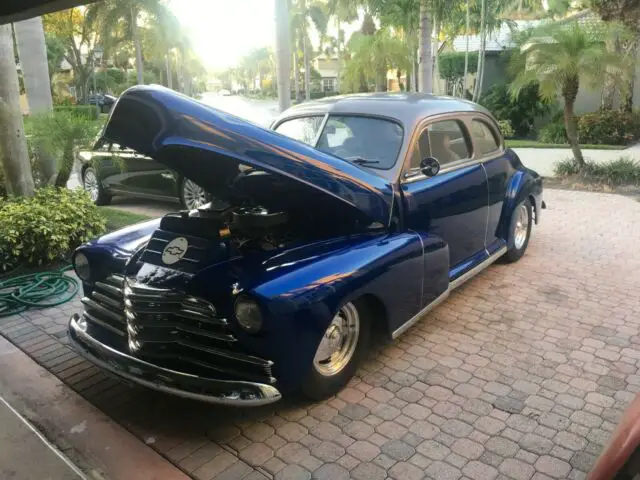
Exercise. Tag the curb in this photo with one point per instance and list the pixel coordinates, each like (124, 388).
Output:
(97, 444)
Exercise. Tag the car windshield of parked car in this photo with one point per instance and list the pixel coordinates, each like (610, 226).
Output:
(367, 141)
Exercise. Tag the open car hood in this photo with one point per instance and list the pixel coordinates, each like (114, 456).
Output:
(209, 146)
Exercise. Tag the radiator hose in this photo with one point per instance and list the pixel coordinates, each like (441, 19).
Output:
(36, 290)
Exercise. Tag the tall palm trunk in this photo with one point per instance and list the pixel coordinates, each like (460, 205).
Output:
(14, 156)
(283, 54)
(436, 63)
(296, 73)
(35, 73)
(626, 102)
(569, 94)
(136, 43)
(338, 53)
(466, 54)
(425, 73)
(477, 91)
(167, 64)
(307, 76)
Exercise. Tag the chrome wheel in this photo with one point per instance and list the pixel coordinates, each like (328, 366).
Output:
(522, 227)
(91, 185)
(339, 342)
(193, 195)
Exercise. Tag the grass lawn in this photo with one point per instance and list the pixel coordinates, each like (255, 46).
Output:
(536, 144)
(117, 219)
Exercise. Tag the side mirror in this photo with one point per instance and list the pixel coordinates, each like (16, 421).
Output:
(429, 166)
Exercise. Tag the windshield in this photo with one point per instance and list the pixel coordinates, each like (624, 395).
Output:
(366, 141)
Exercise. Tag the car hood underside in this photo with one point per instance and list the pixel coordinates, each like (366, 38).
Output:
(236, 160)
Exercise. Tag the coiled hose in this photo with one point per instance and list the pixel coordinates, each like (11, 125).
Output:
(36, 290)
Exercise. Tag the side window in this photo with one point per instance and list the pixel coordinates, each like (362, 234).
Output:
(484, 138)
(445, 141)
(303, 129)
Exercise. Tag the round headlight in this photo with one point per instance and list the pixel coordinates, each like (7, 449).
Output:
(248, 314)
(81, 266)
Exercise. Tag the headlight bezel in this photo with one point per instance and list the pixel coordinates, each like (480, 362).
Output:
(243, 316)
(83, 271)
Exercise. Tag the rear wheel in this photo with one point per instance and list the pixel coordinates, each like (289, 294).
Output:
(94, 188)
(192, 195)
(340, 351)
(519, 231)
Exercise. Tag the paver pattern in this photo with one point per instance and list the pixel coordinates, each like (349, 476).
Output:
(522, 374)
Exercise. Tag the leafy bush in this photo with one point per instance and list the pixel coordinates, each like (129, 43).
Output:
(88, 112)
(553, 132)
(623, 171)
(506, 128)
(521, 111)
(60, 134)
(608, 127)
(39, 230)
(451, 68)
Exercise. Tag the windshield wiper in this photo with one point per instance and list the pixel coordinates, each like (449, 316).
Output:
(363, 161)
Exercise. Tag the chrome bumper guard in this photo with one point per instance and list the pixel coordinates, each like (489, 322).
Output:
(222, 392)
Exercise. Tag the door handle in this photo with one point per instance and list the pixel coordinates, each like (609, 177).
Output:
(167, 175)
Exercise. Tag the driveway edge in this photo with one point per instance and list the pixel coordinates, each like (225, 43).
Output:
(101, 447)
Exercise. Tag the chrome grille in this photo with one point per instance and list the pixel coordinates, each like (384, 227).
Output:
(168, 327)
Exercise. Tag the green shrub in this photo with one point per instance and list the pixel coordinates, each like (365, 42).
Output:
(39, 230)
(521, 111)
(506, 128)
(623, 171)
(608, 127)
(89, 112)
(553, 132)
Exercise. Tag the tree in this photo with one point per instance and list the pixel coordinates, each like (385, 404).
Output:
(110, 13)
(454, 67)
(32, 51)
(626, 13)
(13, 145)
(559, 57)
(342, 11)
(283, 54)
(425, 73)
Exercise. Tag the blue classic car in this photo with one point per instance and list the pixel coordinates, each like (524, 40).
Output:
(352, 215)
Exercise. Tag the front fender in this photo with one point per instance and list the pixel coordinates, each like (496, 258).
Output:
(300, 302)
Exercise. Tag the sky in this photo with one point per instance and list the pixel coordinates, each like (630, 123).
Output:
(223, 31)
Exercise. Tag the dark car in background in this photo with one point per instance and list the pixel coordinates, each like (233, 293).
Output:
(103, 101)
(109, 169)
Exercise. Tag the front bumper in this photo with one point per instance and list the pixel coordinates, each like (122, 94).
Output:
(223, 392)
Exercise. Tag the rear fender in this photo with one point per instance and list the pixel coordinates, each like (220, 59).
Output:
(523, 184)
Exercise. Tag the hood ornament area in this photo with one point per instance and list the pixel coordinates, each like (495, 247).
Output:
(175, 250)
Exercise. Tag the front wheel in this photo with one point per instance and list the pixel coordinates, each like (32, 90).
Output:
(340, 351)
(519, 231)
(192, 195)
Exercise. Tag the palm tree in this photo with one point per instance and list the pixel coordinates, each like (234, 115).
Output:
(14, 156)
(283, 54)
(110, 13)
(343, 11)
(559, 57)
(425, 73)
(32, 51)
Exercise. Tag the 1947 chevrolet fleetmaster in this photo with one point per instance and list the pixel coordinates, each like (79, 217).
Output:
(351, 215)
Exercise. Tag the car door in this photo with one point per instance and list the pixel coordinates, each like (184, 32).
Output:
(453, 204)
(142, 175)
(499, 167)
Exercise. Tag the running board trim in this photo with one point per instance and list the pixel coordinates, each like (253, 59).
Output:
(452, 286)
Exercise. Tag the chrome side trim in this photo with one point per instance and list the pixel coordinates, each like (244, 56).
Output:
(408, 324)
(229, 391)
(478, 268)
(452, 286)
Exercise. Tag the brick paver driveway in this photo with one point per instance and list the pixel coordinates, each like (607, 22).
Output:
(522, 373)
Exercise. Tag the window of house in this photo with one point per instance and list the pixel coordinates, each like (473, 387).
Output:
(328, 84)
(445, 141)
(484, 138)
(303, 129)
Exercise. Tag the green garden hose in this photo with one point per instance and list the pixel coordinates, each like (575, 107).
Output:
(36, 290)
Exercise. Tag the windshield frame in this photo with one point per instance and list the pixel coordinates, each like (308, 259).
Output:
(323, 126)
